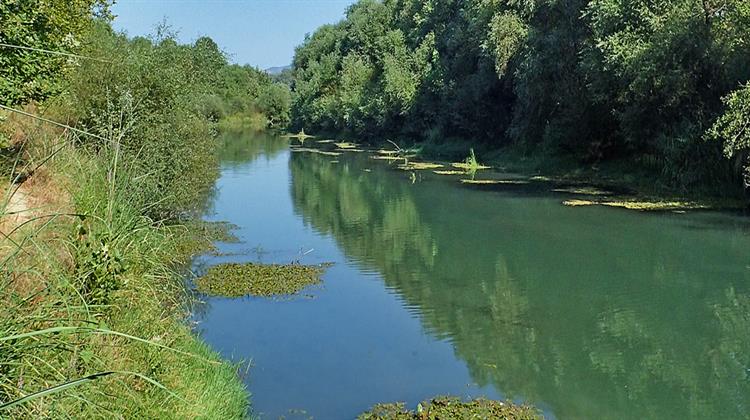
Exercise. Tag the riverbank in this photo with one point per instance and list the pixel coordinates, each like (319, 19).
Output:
(94, 305)
(631, 181)
(621, 184)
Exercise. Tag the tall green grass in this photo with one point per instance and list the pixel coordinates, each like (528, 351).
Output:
(93, 306)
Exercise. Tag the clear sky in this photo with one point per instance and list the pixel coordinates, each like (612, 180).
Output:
(262, 33)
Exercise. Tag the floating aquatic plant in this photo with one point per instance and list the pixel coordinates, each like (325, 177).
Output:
(320, 152)
(582, 191)
(387, 157)
(345, 145)
(449, 172)
(235, 280)
(301, 136)
(452, 408)
(414, 166)
(494, 181)
(470, 164)
(639, 205)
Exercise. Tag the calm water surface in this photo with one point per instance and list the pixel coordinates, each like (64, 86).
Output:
(439, 288)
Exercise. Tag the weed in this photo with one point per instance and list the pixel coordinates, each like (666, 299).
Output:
(235, 280)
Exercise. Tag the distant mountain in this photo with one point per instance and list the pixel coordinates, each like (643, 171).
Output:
(277, 70)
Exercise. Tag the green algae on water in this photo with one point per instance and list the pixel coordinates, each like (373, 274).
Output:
(453, 408)
(218, 231)
(236, 280)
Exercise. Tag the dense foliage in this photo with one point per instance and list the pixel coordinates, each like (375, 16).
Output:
(159, 100)
(594, 79)
(42, 24)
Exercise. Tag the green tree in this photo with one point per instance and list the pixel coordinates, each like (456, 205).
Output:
(733, 129)
(60, 26)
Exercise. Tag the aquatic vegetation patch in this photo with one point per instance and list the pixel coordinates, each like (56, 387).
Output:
(640, 205)
(320, 152)
(217, 231)
(200, 236)
(449, 172)
(301, 135)
(325, 141)
(387, 157)
(350, 150)
(236, 280)
(494, 182)
(582, 191)
(415, 166)
(469, 167)
(470, 164)
(346, 145)
(387, 152)
(452, 408)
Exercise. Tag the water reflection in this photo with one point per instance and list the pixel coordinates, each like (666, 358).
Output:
(240, 148)
(595, 313)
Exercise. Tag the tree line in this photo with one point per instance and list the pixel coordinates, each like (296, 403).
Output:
(660, 84)
(158, 99)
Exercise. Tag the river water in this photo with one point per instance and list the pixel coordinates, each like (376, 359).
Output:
(440, 288)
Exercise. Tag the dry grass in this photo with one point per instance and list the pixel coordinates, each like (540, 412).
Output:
(467, 166)
(640, 205)
(494, 182)
(316, 151)
(419, 166)
(582, 191)
(449, 172)
(387, 157)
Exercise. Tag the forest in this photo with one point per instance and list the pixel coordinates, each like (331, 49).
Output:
(658, 87)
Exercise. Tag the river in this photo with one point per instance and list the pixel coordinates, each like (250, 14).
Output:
(440, 288)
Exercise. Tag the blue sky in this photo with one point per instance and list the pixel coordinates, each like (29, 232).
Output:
(262, 33)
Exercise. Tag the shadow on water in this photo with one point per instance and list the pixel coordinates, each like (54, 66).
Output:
(443, 288)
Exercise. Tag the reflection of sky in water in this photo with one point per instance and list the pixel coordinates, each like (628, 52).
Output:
(442, 289)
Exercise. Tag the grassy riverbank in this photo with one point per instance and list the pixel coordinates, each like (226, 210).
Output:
(109, 151)
(91, 286)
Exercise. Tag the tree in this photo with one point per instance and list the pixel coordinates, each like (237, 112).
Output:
(30, 74)
(733, 129)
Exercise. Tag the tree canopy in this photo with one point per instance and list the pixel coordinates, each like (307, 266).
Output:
(595, 79)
